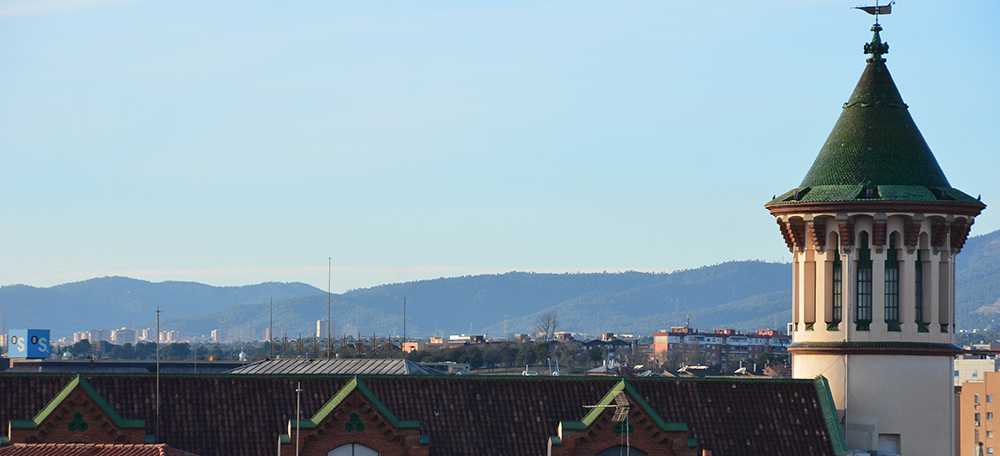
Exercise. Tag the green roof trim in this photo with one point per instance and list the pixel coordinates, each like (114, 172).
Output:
(424, 439)
(350, 387)
(54, 404)
(555, 440)
(692, 443)
(830, 415)
(609, 399)
(838, 193)
(150, 438)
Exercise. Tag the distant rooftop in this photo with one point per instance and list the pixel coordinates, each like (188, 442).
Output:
(76, 366)
(336, 366)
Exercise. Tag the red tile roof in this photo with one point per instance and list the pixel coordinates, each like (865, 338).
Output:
(216, 415)
(89, 449)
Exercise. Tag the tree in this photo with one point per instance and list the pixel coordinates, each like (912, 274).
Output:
(571, 355)
(178, 351)
(630, 356)
(81, 348)
(546, 324)
(684, 355)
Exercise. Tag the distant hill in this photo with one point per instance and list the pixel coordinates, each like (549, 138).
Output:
(744, 295)
(977, 282)
(113, 302)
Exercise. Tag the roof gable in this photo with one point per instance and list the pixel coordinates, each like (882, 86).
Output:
(355, 415)
(81, 414)
(644, 426)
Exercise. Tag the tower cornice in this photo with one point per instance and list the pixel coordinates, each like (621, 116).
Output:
(874, 348)
(919, 207)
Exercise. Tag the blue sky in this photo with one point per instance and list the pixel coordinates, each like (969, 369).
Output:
(236, 142)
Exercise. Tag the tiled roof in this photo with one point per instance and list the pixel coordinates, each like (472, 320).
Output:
(89, 449)
(336, 366)
(875, 145)
(216, 415)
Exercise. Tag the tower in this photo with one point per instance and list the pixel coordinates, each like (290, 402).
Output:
(874, 228)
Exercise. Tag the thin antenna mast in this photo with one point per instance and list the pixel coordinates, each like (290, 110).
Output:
(270, 332)
(157, 437)
(329, 301)
(404, 321)
(298, 402)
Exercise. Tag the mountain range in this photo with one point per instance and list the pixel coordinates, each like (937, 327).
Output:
(744, 295)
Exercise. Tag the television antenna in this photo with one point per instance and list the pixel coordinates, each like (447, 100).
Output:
(621, 407)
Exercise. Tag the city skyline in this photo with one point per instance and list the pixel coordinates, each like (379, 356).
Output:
(238, 143)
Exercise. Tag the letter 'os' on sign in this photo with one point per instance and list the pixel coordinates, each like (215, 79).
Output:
(29, 343)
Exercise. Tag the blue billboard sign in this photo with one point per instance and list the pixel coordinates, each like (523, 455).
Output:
(29, 343)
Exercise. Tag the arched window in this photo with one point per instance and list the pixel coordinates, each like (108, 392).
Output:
(352, 449)
(892, 284)
(621, 450)
(918, 289)
(838, 288)
(864, 282)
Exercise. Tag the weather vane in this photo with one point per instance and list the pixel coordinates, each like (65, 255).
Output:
(876, 10)
(876, 48)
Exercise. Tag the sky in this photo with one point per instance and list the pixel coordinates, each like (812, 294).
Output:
(352, 144)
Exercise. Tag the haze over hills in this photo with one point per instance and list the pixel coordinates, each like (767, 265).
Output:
(745, 295)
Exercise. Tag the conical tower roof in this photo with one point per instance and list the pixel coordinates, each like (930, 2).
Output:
(875, 151)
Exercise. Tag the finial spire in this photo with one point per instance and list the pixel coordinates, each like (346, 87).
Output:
(876, 48)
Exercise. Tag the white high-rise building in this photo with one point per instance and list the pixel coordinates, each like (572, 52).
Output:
(240, 334)
(874, 229)
(322, 328)
(123, 336)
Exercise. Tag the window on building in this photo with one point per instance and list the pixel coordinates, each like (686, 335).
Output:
(989, 434)
(989, 416)
(838, 288)
(864, 279)
(956, 373)
(352, 449)
(989, 398)
(975, 397)
(989, 450)
(891, 282)
(621, 449)
(975, 373)
(977, 419)
(918, 290)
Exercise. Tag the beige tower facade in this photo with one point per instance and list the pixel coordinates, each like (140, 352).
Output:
(874, 229)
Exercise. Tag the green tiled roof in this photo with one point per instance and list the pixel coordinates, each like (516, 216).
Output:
(875, 151)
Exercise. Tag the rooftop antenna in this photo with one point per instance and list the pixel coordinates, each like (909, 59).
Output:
(270, 333)
(157, 437)
(298, 402)
(621, 407)
(329, 300)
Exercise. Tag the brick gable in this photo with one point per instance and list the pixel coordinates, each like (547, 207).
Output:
(354, 415)
(641, 428)
(78, 415)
